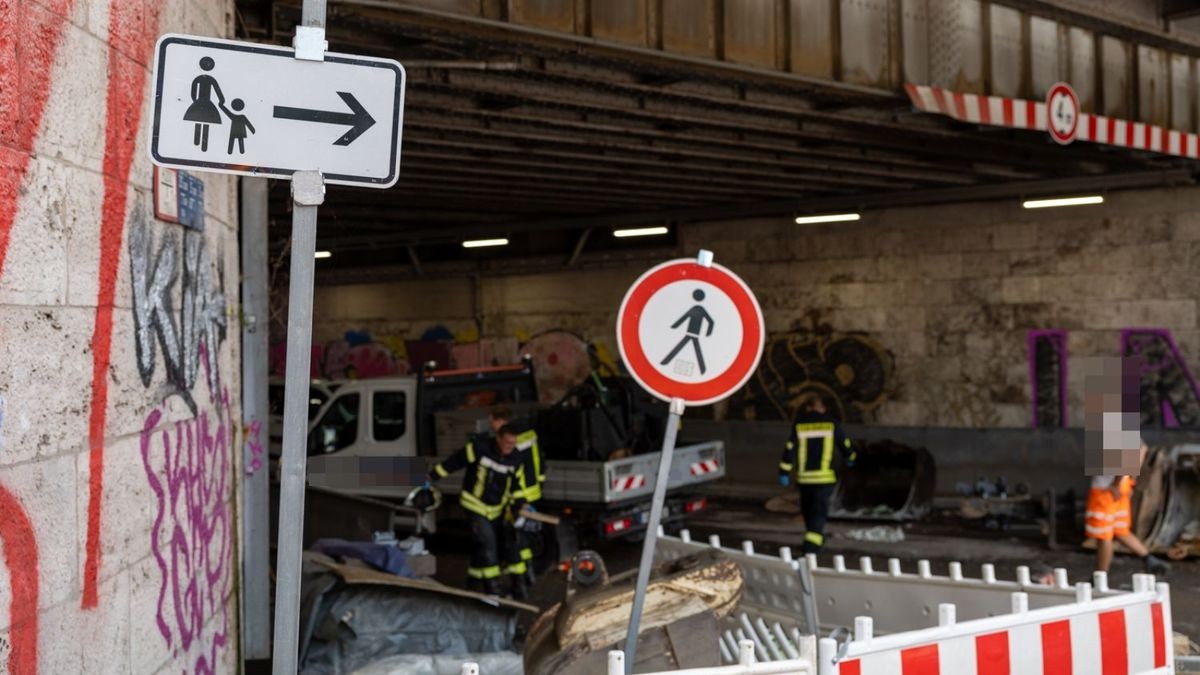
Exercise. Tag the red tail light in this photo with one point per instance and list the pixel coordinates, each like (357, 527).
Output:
(615, 526)
(696, 505)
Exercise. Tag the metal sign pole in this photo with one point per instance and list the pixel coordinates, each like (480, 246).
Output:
(656, 507)
(308, 191)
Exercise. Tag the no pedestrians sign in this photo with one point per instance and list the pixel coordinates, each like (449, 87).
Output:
(690, 331)
(254, 109)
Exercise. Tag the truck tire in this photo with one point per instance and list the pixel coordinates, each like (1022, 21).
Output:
(553, 544)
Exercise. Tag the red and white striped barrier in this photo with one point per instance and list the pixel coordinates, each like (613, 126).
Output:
(1025, 114)
(626, 483)
(705, 467)
(1128, 634)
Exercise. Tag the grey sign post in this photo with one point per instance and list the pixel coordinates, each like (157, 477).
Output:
(308, 192)
(691, 333)
(301, 114)
(656, 507)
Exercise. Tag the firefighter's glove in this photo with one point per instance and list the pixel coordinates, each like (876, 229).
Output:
(520, 523)
(785, 480)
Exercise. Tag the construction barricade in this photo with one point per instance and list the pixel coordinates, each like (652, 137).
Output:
(1127, 633)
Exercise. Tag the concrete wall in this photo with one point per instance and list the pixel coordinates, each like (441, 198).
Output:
(119, 358)
(910, 317)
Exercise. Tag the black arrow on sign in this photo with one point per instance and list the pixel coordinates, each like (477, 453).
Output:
(358, 118)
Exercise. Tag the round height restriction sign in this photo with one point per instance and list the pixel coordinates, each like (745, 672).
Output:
(1062, 113)
(690, 331)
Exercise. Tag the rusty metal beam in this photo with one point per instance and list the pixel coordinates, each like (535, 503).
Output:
(961, 147)
(638, 154)
(694, 176)
(526, 39)
(430, 164)
(847, 162)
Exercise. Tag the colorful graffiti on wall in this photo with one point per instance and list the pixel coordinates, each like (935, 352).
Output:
(561, 358)
(1048, 376)
(1170, 396)
(197, 329)
(187, 464)
(851, 372)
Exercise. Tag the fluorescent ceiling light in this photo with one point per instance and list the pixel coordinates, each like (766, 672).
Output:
(1063, 201)
(322, 254)
(640, 231)
(480, 243)
(827, 218)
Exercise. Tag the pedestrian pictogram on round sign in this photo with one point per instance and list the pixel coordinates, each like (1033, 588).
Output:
(690, 331)
(1062, 113)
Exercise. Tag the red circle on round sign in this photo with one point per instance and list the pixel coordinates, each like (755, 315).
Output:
(1062, 113)
(651, 378)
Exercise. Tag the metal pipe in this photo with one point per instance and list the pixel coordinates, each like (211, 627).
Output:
(256, 495)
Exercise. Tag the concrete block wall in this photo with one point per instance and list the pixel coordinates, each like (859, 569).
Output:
(119, 358)
(949, 292)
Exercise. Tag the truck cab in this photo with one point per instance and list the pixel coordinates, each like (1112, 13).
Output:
(364, 433)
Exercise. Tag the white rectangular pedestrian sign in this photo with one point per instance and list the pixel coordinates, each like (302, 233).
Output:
(254, 109)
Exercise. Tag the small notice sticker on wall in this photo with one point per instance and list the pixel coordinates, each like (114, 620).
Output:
(191, 201)
(166, 194)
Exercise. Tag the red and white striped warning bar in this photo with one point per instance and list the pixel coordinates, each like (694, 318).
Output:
(705, 467)
(1126, 634)
(630, 482)
(1026, 114)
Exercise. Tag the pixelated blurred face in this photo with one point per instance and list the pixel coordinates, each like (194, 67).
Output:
(497, 422)
(1112, 416)
(507, 443)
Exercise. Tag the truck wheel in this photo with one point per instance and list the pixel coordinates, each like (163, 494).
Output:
(552, 545)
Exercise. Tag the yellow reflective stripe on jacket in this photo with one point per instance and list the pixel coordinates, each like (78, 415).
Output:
(475, 505)
(824, 471)
(442, 473)
(470, 453)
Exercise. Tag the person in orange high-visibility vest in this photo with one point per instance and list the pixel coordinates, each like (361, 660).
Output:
(1108, 517)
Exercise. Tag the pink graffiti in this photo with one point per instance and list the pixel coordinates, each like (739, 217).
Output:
(360, 361)
(254, 447)
(187, 464)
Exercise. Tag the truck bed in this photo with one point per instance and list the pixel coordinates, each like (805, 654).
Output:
(630, 478)
(621, 480)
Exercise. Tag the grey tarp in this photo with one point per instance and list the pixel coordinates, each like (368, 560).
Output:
(345, 627)
(497, 663)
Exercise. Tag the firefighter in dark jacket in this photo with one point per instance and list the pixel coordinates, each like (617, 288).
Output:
(525, 493)
(815, 449)
(492, 471)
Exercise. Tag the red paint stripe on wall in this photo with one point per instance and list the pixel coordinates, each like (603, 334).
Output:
(131, 33)
(30, 34)
(850, 667)
(1112, 131)
(21, 558)
(1008, 112)
(991, 654)
(985, 110)
(1092, 128)
(1160, 638)
(921, 660)
(1056, 648)
(1114, 656)
(1030, 114)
